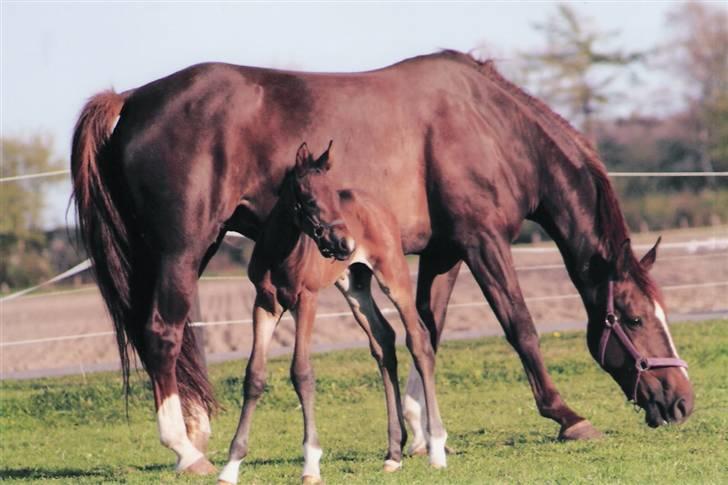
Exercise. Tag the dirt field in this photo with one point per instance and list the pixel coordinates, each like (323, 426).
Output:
(82, 312)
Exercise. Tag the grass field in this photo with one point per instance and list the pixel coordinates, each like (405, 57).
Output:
(74, 430)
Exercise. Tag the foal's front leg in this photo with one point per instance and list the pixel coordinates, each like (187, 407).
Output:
(264, 324)
(305, 384)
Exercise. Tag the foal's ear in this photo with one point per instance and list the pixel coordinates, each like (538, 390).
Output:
(325, 160)
(303, 157)
(649, 259)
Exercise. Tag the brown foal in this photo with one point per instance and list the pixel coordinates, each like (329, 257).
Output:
(315, 237)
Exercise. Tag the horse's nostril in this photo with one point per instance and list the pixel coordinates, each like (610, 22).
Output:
(679, 409)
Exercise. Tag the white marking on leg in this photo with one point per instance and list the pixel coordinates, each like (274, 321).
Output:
(230, 472)
(660, 314)
(438, 458)
(173, 433)
(311, 459)
(414, 405)
(392, 465)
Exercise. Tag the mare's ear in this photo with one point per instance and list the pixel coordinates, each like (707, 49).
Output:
(325, 160)
(303, 157)
(624, 258)
(649, 259)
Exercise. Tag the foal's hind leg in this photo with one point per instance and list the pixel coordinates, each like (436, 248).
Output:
(357, 290)
(438, 271)
(492, 266)
(394, 281)
(264, 324)
(162, 345)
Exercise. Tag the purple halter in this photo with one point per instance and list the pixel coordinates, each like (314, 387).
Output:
(642, 363)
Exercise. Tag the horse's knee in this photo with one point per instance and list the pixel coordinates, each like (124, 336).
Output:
(254, 385)
(302, 377)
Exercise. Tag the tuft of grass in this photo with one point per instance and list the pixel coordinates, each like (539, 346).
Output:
(65, 430)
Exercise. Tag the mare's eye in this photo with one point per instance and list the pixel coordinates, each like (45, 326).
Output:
(636, 321)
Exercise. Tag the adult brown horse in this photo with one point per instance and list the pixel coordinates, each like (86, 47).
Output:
(457, 152)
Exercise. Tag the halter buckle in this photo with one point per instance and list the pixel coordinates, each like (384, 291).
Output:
(610, 319)
(642, 365)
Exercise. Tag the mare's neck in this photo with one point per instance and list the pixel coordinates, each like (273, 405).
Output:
(569, 212)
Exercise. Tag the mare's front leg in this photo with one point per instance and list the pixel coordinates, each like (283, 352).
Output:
(356, 288)
(489, 258)
(305, 384)
(264, 323)
(163, 340)
(436, 277)
(395, 283)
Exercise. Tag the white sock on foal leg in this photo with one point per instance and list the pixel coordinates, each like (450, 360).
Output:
(438, 458)
(230, 472)
(173, 433)
(311, 460)
(415, 411)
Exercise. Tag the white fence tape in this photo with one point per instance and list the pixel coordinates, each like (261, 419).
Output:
(16, 178)
(611, 174)
(384, 311)
(711, 244)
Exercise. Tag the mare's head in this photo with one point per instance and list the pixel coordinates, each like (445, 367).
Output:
(316, 204)
(629, 337)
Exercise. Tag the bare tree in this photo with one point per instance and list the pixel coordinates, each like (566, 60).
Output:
(698, 53)
(574, 70)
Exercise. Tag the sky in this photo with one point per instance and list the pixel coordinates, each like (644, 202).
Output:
(54, 55)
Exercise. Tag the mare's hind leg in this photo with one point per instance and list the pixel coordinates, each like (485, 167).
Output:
(438, 271)
(394, 280)
(357, 290)
(305, 384)
(491, 262)
(196, 418)
(163, 340)
(264, 324)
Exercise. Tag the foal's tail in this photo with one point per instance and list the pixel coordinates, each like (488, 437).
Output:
(125, 272)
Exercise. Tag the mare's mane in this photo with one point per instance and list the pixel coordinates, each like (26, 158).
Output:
(611, 226)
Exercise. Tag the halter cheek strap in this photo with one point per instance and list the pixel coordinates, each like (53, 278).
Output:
(642, 363)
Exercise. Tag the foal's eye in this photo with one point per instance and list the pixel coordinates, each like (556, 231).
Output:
(311, 204)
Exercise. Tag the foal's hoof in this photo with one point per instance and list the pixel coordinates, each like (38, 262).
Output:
(311, 480)
(391, 466)
(200, 467)
(450, 450)
(583, 430)
(418, 451)
(224, 482)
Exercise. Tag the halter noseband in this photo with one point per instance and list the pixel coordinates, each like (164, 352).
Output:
(318, 226)
(642, 363)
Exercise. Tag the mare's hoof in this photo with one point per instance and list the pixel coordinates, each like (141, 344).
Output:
(311, 480)
(200, 467)
(583, 430)
(391, 466)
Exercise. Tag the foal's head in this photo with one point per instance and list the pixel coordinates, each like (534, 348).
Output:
(629, 337)
(316, 204)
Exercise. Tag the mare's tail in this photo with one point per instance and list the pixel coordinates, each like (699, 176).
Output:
(125, 272)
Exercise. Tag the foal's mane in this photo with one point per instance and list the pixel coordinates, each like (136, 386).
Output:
(611, 226)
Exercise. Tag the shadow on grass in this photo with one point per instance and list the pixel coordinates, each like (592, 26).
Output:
(40, 473)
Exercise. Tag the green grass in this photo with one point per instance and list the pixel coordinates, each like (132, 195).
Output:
(69, 430)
